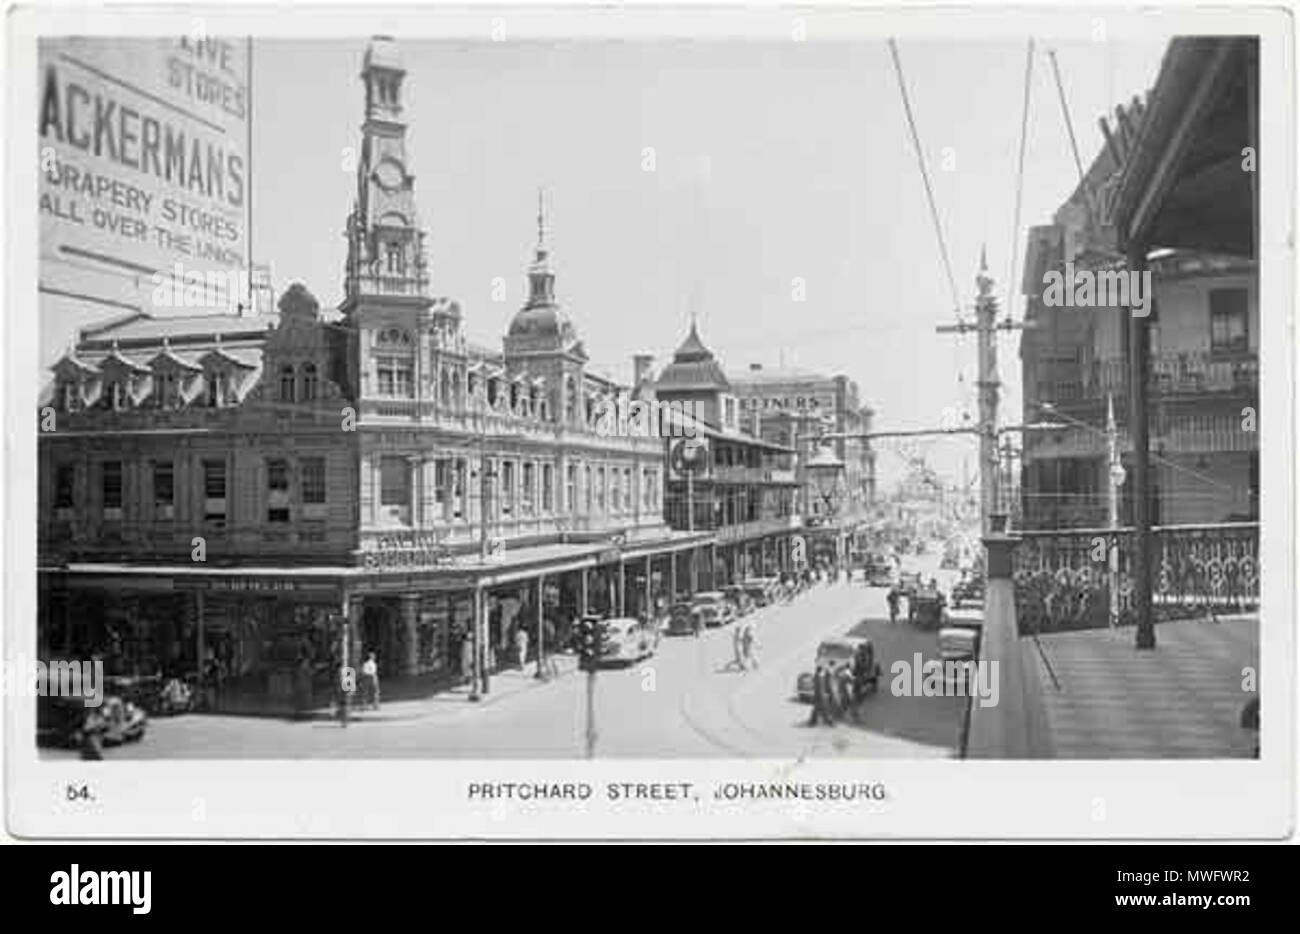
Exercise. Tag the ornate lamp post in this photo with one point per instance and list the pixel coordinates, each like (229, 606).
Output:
(826, 472)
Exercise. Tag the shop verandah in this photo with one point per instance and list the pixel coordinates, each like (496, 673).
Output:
(270, 640)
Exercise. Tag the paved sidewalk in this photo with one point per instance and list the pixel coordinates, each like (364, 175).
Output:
(1105, 699)
(455, 700)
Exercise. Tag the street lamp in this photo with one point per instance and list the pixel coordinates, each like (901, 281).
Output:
(826, 472)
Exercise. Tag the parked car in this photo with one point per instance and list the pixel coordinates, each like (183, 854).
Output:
(970, 589)
(681, 619)
(628, 640)
(64, 721)
(853, 652)
(762, 590)
(715, 608)
(739, 598)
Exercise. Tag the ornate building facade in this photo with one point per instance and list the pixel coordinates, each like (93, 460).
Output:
(224, 492)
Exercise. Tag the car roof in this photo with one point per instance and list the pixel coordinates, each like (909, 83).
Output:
(843, 642)
(709, 595)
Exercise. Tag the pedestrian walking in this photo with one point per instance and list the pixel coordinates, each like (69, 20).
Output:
(738, 646)
(466, 657)
(749, 646)
(370, 674)
(892, 598)
(521, 647)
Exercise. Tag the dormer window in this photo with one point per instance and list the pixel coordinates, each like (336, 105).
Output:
(217, 390)
(71, 396)
(115, 395)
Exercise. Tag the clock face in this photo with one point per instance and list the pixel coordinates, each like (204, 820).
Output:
(389, 175)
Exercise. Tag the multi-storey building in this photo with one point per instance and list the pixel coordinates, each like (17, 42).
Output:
(792, 407)
(1204, 382)
(229, 490)
(724, 480)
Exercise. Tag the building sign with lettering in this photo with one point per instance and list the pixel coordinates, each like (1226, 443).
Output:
(144, 155)
(396, 552)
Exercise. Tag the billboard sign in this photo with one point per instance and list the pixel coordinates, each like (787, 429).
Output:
(144, 149)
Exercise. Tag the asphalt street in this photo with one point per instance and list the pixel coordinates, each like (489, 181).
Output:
(687, 701)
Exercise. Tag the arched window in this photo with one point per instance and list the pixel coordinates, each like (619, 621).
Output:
(444, 389)
(308, 382)
(492, 392)
(514, 397)
(395, 264)
(286, 383)
(570, 400)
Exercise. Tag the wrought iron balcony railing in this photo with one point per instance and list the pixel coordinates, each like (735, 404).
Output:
(1064, 579)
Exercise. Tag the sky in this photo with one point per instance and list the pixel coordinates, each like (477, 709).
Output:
(718, 178)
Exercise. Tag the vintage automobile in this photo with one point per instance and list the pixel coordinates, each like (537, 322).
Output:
(714, 607)
(853, 652)
(682, 619)
(969, 590)
(925, 607)
(64, 721)
(628, 640)
(762, 590)
(909, 582)
(880, 573)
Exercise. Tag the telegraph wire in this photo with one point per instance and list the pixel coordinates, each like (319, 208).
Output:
(925, 177)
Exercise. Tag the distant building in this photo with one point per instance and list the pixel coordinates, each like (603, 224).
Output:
(728, 480)
(1204, 327)
(792, 406)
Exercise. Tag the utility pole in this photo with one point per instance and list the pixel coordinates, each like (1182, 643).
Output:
(1115, 479)
(986, 327)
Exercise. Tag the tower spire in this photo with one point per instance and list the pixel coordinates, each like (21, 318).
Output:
(541, 278)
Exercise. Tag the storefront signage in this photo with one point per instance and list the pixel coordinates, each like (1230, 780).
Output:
(395, 552)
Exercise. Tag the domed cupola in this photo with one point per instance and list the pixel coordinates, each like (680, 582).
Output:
(541, 324)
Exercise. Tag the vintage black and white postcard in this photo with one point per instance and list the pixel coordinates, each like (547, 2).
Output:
(788, 421)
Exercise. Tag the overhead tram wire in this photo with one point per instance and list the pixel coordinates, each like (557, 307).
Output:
(1065, 112)
(1020, 176)
(925, 177)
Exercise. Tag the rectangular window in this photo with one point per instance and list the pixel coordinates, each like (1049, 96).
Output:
(529, 487)
(1229, 320)
(111, 477)
(548, 488)
(214, 491)
(627, 489)
(646, 501)
(441, 484)
(571, 490)
(405, 379)
(65, 486)
(277, 491)
(164, 489)
(395, 482)
(507, 488)
(313, 480)
(600, 489)
(458, 489)
(385, 373)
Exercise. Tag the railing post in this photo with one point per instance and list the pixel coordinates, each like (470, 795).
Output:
(1012, 728)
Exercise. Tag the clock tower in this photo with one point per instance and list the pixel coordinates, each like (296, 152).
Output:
(385, 243)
